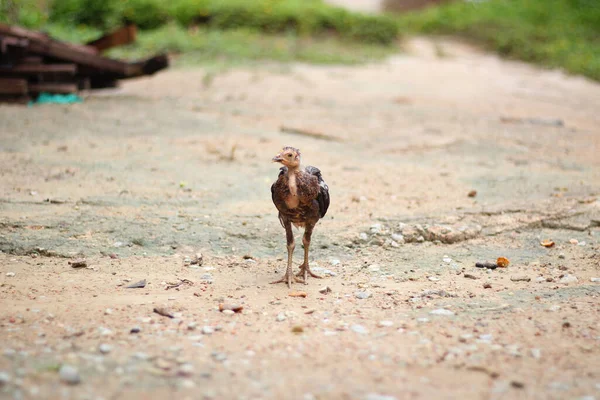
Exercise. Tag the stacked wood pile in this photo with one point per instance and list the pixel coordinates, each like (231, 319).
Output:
(32, 62)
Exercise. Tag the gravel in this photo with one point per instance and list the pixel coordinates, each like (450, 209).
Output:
(105, 348)
(4, 378)
(568, 278)
(281, 317)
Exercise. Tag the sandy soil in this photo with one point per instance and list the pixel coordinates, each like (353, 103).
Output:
(141, 180)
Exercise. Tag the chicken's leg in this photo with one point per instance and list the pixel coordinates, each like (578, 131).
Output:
(304, 268)
(287, 278)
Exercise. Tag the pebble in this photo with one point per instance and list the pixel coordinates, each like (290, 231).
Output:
(108, 311)
(141, 356)
(487, 285)
(385, 324)
(135, 329)
(520, 278)
(554, 308)
(10, 274)
(206, 277)
(596, 280)
(536, 353)
(228, 312)
(4, 378)
(105, 348)
(359, 329)
(447, 259)
(398, 238)
(208, 330)
(374, 268)
(433, 278)
(185, 370)
(219, 356)
(281, 317)
(375, 228)
(363, 236)
(568, 278)
(325, 290)
(69, 375)
(561, 256)
(377, 396)
(335, 262)
(422, 320)
(192, 326)
(441, 311)
(362, 295)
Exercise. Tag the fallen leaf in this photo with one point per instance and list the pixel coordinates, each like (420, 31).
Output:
(298, 294)
(547, 243)
(502, 262)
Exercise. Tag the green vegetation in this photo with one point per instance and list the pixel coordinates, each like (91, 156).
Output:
(553, 33)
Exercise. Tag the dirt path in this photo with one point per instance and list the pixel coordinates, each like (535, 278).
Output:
(141, 180)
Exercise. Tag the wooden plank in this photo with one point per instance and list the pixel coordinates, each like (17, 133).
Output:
(53, 87)
(39, 37)
(8, 41)
(32, 60)
(120, 37)
(36, 69)
(13, 86)
(66, 53)
(14, 98)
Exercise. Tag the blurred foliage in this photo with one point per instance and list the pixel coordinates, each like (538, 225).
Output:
(310, 17)
(553, 33)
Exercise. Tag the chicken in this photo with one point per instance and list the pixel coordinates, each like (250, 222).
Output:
(302, 198)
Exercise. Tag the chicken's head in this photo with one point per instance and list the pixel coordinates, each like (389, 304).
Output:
(289, 156)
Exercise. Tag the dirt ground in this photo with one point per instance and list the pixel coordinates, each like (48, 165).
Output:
(142, 180)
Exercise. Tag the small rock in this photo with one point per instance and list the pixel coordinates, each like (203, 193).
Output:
(281, 317)
(398, 238)
(135, 329)
(554, 308)
(561, 256)
(536, 353)
(441, 311)
(335, 262)
(470, 276)
(359, 329)
(362, 295)
(138, 285)
(375, 228)
(105, 348)
(297, 329)
(385, 324)
(517, 384)
(325, 290)
(377, 396)
(596, 280)
(141, 356)
(4, 378)
(228, 312)
(232, 307)
(208, 330)
(374, 268)
(185, 370)
(108, 311)
(79, 263)
(433, 278)
(520, 278)
(10, 274)
(568, 278)
(487, 285)
(298, 294)
(69, 374)
(363, 237)
(447, 259)
(220, 357)
(472, 193)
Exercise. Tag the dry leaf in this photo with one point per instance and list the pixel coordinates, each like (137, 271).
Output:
(547, 243)
(298, 294)
(502, 262)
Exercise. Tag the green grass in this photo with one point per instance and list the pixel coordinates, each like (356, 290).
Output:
(207, 46)
(552, 33)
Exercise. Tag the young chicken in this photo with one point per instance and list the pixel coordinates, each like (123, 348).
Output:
(302, 198)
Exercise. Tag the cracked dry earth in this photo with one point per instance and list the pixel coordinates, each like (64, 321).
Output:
(141, 180)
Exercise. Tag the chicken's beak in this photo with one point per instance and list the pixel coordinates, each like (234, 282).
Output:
(277, 158)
